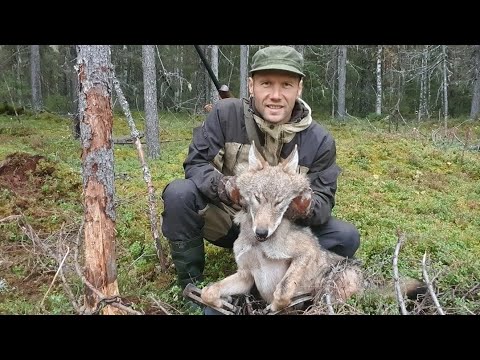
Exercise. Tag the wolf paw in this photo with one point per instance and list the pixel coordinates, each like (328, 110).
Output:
(211, 296)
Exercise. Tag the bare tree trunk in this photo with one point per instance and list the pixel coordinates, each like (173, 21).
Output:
(445, 82)
(19, 78)
(96, 120)
(75, 96)
(378, 105)
(177, 69)
(150, 101)
(37, 103)
(214, 64)
(475, 109)
(207, 82)
(342, 79)
(423, 106)
(244, 50)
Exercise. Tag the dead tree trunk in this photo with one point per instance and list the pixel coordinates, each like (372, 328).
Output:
(214, 64)
(378, 104)
(475, 109)
(150, 101)
(445, 82)
(244, 71)
(74, 96)
(96, 120)
(423, 101)
(37, 102)
(342, 80)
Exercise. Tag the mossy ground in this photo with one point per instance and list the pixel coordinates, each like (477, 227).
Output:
(420, 180)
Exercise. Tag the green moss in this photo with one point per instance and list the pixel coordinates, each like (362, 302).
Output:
(390, 181)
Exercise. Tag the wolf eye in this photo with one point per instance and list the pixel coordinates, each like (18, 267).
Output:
(257, 197)
(277, 203)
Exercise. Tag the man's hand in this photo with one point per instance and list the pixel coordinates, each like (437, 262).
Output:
(301, 206)
(208, 107)
(228, 191)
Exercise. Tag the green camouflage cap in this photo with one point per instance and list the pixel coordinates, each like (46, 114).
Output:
(278, 58)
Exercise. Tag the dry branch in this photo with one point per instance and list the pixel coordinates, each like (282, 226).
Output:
(127, 139)
(61, 258)
(396, 279)
(10, 218)
(429, 285)
(55, 277)
(146, 175)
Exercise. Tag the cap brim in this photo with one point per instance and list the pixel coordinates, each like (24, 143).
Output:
(278, 67)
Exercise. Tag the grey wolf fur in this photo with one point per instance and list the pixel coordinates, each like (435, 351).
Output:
(281, 258)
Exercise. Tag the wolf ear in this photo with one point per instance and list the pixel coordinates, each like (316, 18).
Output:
(255, 159)
(291, 162)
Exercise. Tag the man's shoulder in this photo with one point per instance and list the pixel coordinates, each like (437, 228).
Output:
(229, 104)
(318, 131)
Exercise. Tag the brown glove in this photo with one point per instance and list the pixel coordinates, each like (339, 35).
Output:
(301, 207)
(228, 191)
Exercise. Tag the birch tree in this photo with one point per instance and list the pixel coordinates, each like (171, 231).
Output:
(150, 101)
(342, 78)
(244, 52)
(96, 120)
(475, 109)
(378, 103)
(37, 102)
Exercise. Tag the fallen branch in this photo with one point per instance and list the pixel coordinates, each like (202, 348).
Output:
(127, 139)
(146, 175)
(162, 306)
(396, 279)
(55, 277)
(429, 285)
(10, 218)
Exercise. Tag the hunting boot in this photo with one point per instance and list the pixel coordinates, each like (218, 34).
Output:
(189, 259)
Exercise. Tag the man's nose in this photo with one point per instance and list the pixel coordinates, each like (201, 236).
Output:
(276, 91)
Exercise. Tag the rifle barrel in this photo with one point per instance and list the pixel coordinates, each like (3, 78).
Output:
(207, 66)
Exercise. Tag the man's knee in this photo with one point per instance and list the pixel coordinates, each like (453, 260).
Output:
(339, 236)
(350, 239)
(179, 193)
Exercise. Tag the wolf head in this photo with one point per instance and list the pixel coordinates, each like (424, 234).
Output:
(267, 191)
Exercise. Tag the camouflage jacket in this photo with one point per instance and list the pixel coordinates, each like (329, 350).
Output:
(221, 144)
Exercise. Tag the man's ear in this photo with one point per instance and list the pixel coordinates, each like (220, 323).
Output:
(300, 88)
(250, 86)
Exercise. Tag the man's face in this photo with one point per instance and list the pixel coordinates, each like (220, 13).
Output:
(275, 92)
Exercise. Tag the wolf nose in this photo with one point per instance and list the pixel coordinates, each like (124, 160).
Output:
(261, 233)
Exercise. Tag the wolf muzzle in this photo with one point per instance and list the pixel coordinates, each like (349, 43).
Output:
(261, 234)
